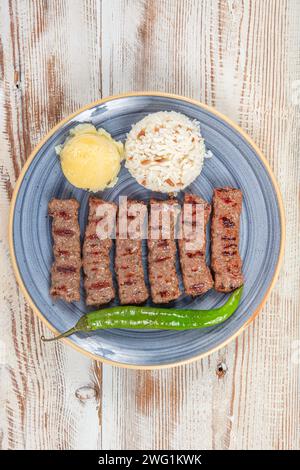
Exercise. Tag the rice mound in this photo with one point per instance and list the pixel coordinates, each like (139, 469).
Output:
(165, 151)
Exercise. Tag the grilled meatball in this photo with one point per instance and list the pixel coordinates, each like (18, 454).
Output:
(226, 262)
(162, 251)
(65, 272)
(197, 278)
(128, 262)
(98, 282)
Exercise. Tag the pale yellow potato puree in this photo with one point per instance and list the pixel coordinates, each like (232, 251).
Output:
(90, 158)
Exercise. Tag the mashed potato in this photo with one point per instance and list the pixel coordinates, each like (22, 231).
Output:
(90, 158)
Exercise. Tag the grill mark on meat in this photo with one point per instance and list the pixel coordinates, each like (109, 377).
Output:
(99, 285)
(162, 243)
(98, 280)
(129, 282)
(229, 201)
(65, 272)
(232, 245)
(227, 222)
(229, 253)
(225, 260)
(132, 287)
(194, 254)
(66, 269)
(162, 268)
(60, 288)
(129, 251)
(94, 236)
(163, 293)
(63, 252)
(64, 215)
(162, 258)
(63, 232)
(196, 275)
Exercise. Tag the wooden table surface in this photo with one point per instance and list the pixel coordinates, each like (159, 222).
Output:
(241, 56)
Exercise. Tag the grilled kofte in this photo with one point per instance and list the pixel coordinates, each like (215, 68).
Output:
(225, 260)
(162, 251)
(65, 272)
(98, 282)
(128, 262)
(197, 278)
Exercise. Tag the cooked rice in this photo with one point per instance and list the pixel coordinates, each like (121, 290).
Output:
(165, 151)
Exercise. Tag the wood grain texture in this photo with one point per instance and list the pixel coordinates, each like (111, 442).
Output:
(241, 56)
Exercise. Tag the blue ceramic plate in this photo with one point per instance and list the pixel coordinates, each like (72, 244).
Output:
(236, 162)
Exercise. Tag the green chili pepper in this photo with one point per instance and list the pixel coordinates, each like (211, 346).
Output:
(152, 318)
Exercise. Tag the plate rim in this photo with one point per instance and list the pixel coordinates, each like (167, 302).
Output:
(93, 104)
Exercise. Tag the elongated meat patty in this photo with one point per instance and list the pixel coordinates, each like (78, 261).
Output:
(65, 272)
(98, 281)
(162, 251)
(197, 278)
(128, 262)
(226, 262)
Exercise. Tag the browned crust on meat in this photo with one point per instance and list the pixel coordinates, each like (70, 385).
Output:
(65, 271)
(196, 275)
(98, 280)
(162, 256)
(226, 262)
(128, 261)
